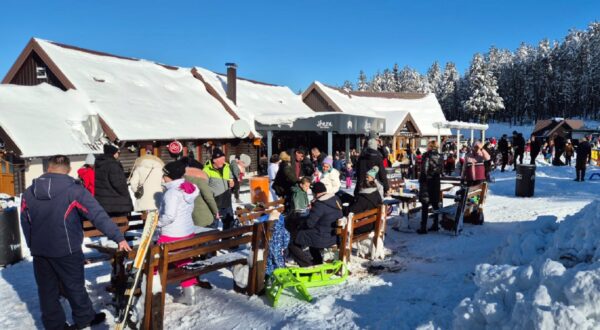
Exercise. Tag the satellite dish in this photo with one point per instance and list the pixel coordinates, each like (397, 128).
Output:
(240, 129)
(246, 159)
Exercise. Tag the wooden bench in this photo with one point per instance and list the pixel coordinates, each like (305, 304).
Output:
(347, 235)
(247, 217)
(89, 230)
(164, 256)
(463, 209)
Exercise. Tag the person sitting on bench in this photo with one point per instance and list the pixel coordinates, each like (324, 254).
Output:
(299, 209)
(368, 198)
(319, 229)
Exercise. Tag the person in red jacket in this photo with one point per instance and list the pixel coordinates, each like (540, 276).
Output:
(87, 174)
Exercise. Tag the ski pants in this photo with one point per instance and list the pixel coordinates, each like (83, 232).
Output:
(52, 274)
(504, 160)
(303, 259)
(533, 157)
(580, 166)
(227, 217)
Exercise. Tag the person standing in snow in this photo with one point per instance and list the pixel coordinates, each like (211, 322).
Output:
(272, 172)
(568, 152)
(205, 207)
(175, 219)
(285, 179)
(536, 147)
(237, 173)
(370, 157)
(87, 175)
(111, 184)
(584, 152)
(220, 180)
(52, 211)
(146, 182)
(429, 186)
(503, 148)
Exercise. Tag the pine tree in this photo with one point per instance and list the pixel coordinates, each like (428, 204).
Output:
(362, 84)
(347, 86)
(396, 72)
(483, 89)
(448, 91)
(434, 78)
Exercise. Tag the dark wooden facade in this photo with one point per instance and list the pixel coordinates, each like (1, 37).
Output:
(317, 102)
(28, 74)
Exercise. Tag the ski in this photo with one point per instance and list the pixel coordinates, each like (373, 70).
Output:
(137, 267)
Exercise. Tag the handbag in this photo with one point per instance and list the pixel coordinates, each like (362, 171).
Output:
(139, 191)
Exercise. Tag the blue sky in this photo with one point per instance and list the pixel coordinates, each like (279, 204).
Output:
(291, 42)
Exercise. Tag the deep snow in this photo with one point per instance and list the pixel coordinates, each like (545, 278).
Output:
(442, 281)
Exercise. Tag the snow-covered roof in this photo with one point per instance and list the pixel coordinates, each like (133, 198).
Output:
(424, 109)
(142, 100)
(43, 120)
(255, 99)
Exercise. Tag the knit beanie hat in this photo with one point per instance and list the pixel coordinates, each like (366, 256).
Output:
(373, 172)
(174, 170)
(328, 160)
(110, 150)
(318, 187)
(372, 144)
(217, 153)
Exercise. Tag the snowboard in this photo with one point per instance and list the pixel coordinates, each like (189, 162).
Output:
(137, 268)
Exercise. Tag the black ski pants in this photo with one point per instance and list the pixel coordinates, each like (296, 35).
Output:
(580, 166)
(52, 274)
(315, 256)
(504, 160)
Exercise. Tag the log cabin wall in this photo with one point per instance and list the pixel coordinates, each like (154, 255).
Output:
(32, 72)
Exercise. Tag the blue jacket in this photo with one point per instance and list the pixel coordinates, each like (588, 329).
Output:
(52, 211)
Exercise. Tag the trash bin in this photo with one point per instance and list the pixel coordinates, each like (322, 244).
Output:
(259, 189)
(10, 239)
(525, 183)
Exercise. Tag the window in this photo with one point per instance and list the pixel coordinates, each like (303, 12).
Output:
(40, 72)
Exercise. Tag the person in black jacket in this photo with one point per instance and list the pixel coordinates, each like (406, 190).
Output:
(503, 149)
(368, 198)
(111, 184)
(429, 186)
(536, 147)
(519, 148)
(285, 179)
(584, 151)
(319, 229)
(52, 211)
(301, 165)
(369, 158)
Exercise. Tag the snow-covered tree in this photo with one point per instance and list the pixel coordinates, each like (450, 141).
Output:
(362, 84)
(449, 100)
(347, 86)
(434, 78)
(483, 91)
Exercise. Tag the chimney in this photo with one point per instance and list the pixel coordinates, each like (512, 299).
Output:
(231, 81)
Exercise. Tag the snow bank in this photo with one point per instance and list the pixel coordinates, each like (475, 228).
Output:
(546, 277)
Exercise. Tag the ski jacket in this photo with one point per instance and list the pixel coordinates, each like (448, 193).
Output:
(218, 181)
(205, 207)
(284, 180)
(175, 213)
(431, 166)
(147, 171)
(299, 199)
(52, 211)
(367, 199)
(331, 180)
(319, 230)
(88, 178)
(369, 158)
(584, 151)
(503, 146)
(111, 185)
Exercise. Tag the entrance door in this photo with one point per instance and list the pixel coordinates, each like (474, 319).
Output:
(7, 178)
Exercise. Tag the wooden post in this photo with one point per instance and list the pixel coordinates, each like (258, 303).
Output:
(252, 273)
(163, 268)
(148, 297)
(269, 144)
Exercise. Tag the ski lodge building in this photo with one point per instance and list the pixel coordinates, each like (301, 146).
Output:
(73, 100)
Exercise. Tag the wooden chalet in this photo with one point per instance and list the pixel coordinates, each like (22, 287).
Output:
(548, 128)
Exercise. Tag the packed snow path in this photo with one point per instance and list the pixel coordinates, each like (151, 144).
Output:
(436, 274)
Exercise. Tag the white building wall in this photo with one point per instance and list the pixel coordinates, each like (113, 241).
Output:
(36, 168)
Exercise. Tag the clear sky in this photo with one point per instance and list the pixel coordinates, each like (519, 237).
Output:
(291, 42)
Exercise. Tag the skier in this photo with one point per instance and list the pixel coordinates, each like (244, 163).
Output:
(584, 151)
(175, 219)
(111, 184)
(87, 175)
(429, 186)
(503, 149)
(220, 181)
(318, 231)
(52, 211)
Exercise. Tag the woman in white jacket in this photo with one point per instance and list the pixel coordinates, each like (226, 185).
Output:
(147, 173)
(330, 176)
(175, 218)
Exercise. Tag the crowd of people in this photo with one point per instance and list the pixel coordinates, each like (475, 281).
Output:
(190, 195)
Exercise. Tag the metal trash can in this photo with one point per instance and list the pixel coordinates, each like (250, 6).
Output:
(10, 239)
(525, 183)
